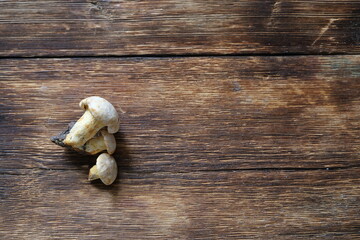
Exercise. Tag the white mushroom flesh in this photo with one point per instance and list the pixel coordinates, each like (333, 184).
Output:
(99, 113)
(105, 169)
(83, 130)
(104, 142)
(95, 145)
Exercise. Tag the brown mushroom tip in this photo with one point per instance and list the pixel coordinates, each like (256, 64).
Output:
(102, 110)
(109, 141)
(106, 168)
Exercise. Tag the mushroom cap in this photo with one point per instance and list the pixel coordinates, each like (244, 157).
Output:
(109, 141)
(103, 111)
(106, 168)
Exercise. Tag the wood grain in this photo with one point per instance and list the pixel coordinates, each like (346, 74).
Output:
(205, 205)
(188, 114)
(117, 27)
(256, 147)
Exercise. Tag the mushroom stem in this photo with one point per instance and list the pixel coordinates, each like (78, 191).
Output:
(106, 141)
(95, 145)
(93, 174)
(83, 130)
(99, 113)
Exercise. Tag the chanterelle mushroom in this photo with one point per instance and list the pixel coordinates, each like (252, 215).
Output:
(105, 141)
(105, 169)
(99, 113)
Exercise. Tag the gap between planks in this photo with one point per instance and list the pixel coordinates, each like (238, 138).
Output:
(290, 54)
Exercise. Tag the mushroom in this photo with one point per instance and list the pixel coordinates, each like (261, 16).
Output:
(105, 141)
(105, 169)
(99, 113)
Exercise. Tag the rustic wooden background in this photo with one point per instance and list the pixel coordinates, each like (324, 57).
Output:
(241, 118)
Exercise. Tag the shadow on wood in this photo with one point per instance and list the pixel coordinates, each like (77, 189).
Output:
(123, 159)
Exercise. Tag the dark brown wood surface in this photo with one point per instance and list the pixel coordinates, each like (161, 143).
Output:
(188, 114)
(43, 204)
(239, 119)
(99, 27)
(209, 147)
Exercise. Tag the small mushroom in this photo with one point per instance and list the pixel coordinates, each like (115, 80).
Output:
(105, 141)
(99, 113)
(105, 169)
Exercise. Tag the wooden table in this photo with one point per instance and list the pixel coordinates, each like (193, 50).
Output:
(241, 118)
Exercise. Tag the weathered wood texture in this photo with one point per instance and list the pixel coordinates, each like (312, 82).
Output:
(186, 114)
(95, 27)
(209, 148)
(215, 205)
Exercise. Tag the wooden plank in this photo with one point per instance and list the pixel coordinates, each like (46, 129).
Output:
(204, 205)
(117, 27)
(186, 114)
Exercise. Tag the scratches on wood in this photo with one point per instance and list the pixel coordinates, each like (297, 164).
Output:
(324, 29)
(188, 114)
(275, 11)
(157, 27)
(209, 147)
(280, 204)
